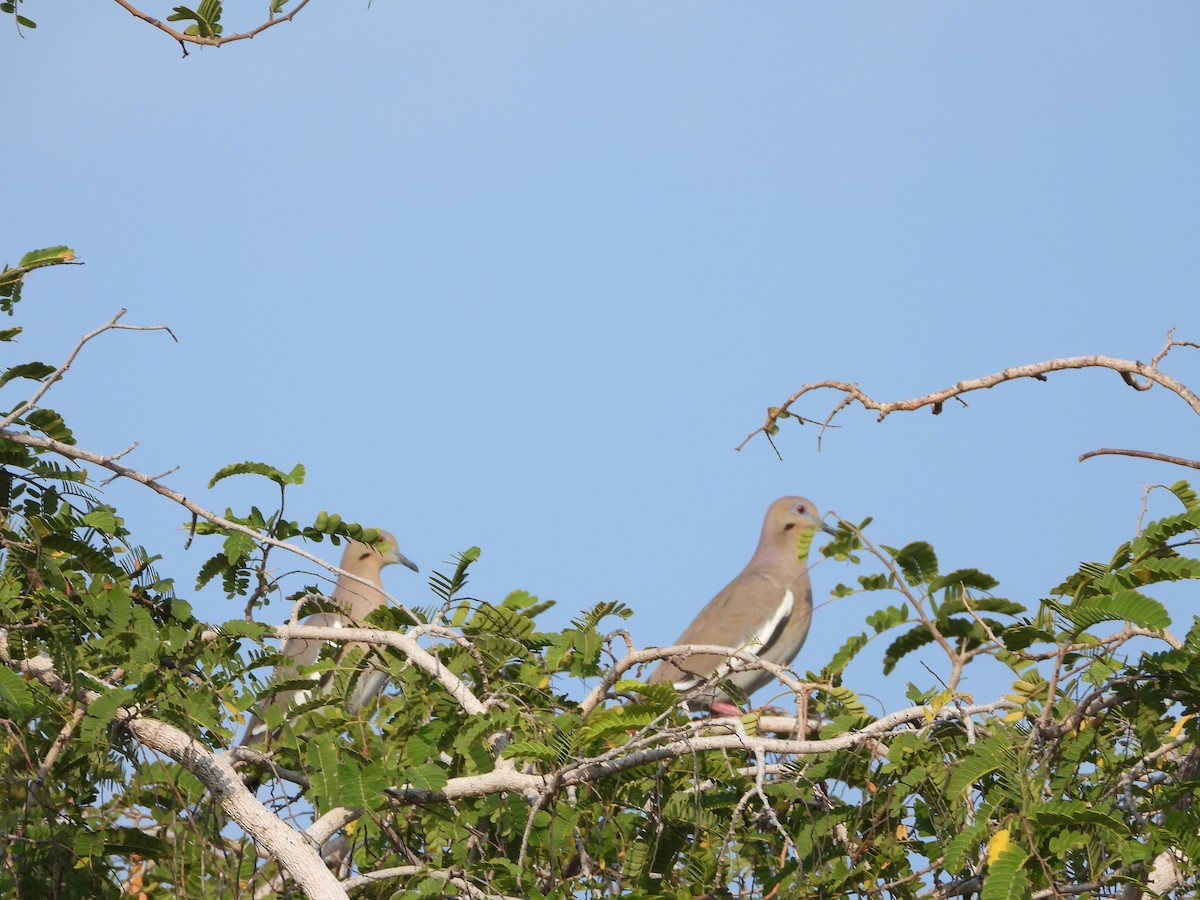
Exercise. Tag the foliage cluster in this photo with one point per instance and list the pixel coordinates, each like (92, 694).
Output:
(567, 775)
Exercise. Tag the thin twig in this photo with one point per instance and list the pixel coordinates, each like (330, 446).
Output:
(185, 39)
(1142, 454)
(49, 380)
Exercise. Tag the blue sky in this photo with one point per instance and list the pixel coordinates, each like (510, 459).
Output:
(523, 275)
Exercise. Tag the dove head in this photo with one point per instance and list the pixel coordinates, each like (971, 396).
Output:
(384, 553)
(788, 520)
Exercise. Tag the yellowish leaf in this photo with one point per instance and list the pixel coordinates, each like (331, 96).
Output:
(998, 844)
(1178, 729)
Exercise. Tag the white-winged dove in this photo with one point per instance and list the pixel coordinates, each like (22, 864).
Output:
(356, 600)
(766, 610)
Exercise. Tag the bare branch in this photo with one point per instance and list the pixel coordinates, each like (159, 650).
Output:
(1144, 454)
(417, 655)
(49, 380)
(185, 39)
(1128, 369)
(733, 738)
(60, 741)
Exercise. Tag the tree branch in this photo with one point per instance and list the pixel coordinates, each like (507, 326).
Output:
(185, 39)
(110, 462)
(1128, 369)
(58, 373)
(1144, 454)
(587, 771)
(416, 654)
(283, 843)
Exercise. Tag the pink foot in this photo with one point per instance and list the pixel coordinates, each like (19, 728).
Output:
(723, 708)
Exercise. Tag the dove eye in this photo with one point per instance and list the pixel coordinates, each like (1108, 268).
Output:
(802, 509)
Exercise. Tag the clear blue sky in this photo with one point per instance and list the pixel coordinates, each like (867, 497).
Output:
(522, 275)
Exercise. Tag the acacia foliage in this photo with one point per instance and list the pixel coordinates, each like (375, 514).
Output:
(570, 776)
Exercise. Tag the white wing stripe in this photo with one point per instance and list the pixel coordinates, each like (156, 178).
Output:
(757, 642)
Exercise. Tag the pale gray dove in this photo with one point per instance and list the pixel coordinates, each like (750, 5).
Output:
(766, 610)
(356, 600)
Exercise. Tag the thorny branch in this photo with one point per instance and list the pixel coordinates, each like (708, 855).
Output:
(1143, 454)
(185, 39)
(1129, 370)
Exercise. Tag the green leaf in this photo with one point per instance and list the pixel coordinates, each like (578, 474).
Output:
(205, 18)
(242, 628)
(211, 568)
(884, 619)
(848, 700)
(363, 785)
(324, 769)
(1061, 814)
(911, 640)
(15, 695)
(599, 612)
(47, 256)
(258, 468)
(917, 561)
(448, 586)
(133, 840)
(103, 519)
(35, 371)
(965, 845)
(968, 578)
(1018, 637)
(1122, 606)
(101, 712)
(1064, 841)
(989, 758)
(1186, 495)
(618, 719)
(876, 582)
(51, 424)
(959, 604)
(238, 547)
(532, 750)
(1154, 571)
(429, 777)
(1005, 879)
(1157, 533)
(847, 652)
(489, 619)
